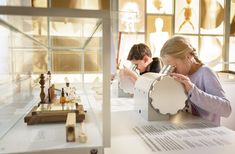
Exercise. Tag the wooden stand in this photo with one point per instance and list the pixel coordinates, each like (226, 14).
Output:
(49, 109)
(39, 117)
(70, 127)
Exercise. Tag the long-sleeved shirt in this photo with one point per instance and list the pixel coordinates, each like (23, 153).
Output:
(154, 66)
(207, 95)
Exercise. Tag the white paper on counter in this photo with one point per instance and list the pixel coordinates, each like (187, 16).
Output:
(184, 137)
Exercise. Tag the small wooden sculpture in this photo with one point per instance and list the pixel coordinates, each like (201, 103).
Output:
(70, 127)
(42, 85)
(51, 93)
(50, 110)
(82, 135)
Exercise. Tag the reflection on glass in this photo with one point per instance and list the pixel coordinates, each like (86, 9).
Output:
(131, 16)
(25, 62)
(72, 26)
(77, 4)
(92, 62)
(232, 53)
(66, 61)
(159, 6)
(126, 42)
(26, 25)
(158, 38)
(186, 16)
(22, 62)
(39, 3)
(5, 56)
(212, 16)
(211, 51)
(40, 62)
(68, 42)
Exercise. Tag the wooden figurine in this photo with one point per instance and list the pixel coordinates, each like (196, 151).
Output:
(42, 85)
(70, 127)
(51, 93)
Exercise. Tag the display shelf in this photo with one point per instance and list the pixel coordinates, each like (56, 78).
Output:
(72, 44)
(50, 138)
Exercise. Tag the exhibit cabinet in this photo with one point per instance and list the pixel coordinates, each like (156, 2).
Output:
(74, 45)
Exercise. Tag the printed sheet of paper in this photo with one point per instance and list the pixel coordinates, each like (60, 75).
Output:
(191, 136)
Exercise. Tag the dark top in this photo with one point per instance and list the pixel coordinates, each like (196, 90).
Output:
(154, 66)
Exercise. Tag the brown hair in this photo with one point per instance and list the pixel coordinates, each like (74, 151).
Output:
(178, 47)
(138, 51)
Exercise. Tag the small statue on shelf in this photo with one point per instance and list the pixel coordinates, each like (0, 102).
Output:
(42, 85)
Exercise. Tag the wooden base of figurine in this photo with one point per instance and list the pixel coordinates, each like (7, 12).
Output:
(37, 116)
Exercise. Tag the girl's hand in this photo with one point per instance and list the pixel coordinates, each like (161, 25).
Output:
(184, 80)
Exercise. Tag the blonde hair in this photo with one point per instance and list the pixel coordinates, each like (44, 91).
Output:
(179, 47)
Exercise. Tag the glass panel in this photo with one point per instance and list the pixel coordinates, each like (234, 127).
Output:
(5, 58)
(131, 17)
(65, 61)
(158, 32)
(92, 53)
(20, 58)
(186, 16)
(212, 16)
(232, 18)
(160, 6)
(29, 61)
(93, 76)
(232, 54)
(211, 51)
(126, 42)
(78, 4)
(33, 28)
(75, 4)
(92, 62)
(16, 2)
(71, 32)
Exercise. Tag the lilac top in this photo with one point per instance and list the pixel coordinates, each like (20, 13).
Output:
(207, 95)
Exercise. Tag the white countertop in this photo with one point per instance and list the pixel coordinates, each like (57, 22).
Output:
(126, 140)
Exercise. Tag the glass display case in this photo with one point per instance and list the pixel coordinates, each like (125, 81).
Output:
(74, 45)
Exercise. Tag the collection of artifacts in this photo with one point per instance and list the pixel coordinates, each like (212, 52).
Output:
(64, 108)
